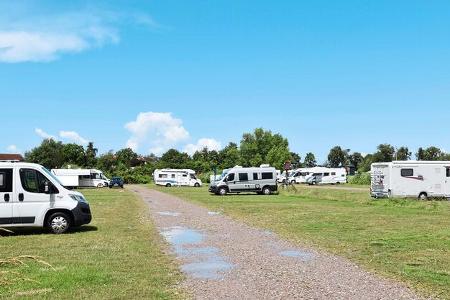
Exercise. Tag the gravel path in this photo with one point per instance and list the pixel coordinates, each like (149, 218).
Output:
(226, 259)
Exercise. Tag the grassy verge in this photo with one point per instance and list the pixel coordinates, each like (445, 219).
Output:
(118, 256)
(407, 240)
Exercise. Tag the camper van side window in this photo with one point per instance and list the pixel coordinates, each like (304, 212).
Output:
(230, 177)
(255, 176)
(243, 177)
(162, 175)
(326, 174)
(6, 180)
(447, 172)
(407, 172)
(173, 175)
(333, 173)
(267, 175)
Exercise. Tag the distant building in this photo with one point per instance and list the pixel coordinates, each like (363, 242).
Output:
(11, 157)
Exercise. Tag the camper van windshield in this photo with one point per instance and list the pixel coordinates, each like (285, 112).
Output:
(51, 175)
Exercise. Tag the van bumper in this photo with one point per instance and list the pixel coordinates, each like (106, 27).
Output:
(81, 214)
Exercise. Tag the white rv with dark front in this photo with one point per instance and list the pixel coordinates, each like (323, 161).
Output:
(176, 177)
(30, 195)
(300, 175)
(81, 178)
(262, 180)
(422, 179)
(322, 175)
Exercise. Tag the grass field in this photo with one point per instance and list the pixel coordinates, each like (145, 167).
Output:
(118, 256)
(403, 239)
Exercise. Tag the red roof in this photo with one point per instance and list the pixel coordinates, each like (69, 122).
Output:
(11, 157)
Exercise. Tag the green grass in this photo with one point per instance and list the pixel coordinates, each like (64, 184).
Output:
(407, 240)
(118, 256)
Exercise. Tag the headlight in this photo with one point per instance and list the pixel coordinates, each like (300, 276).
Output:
(78, 198)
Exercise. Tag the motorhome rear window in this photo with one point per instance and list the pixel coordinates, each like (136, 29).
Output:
(243, 177)
(267, 175)
(407, 172)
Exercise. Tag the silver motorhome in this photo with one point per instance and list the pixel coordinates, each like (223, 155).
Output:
(262, 180)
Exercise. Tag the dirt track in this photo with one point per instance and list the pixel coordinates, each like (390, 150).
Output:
(226, 259)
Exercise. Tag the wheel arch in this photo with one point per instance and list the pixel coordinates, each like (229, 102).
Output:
(56, 210)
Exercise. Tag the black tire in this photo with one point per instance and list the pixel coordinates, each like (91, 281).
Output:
(423, 196)
(293, 182)
(121, 186)
(222, 191)
(168, 185)
(59, 223)
(266, 191)
(197, 184)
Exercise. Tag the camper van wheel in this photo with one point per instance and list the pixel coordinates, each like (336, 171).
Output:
(293, 182)
(100, 185)
(197, 184)
(222, 191)
(168, 185)
(266, 190)
(59, 223)
(423, 196)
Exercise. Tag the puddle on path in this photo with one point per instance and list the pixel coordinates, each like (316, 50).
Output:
(168, 213)
(205, 262)
(303, 255)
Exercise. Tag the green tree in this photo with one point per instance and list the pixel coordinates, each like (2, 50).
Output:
(310, 160)
(364, 166)
(49, 154)
(174, 159)
(385, 153)
(255, 148)
(403, 153)
(127, 157)
(229, 156)
(107, 163)
(355, 159)
(337, 157)
(432, 153)
(295, 159)
(73, 154)
(420, 154)
(91, 156)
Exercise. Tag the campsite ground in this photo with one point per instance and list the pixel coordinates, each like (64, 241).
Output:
(119, 255)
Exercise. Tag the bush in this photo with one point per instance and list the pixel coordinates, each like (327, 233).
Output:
(361, 179)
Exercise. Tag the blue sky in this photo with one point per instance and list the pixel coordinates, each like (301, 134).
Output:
(161, 74)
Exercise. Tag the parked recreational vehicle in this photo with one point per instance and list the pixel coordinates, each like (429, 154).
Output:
(31, 196)
(299, 175)
(261, 180)
(281, 178)
(176, 177)
(422, 179)
(81, 177)
(322, 175)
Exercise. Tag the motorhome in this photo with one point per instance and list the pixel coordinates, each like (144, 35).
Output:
(31, 196)
(262, 180)
(281, 177)
(299, 175)
(73, 178)
(421, 179)
(176, 177)
(322, 175)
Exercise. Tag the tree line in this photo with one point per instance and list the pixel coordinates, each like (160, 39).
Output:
(255, 148)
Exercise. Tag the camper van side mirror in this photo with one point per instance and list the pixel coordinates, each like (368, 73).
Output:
(46, 187)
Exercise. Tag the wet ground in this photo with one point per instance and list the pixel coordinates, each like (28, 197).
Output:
(226, 259)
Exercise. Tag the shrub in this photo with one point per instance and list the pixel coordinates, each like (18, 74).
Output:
(360, 178)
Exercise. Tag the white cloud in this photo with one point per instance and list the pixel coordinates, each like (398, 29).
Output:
(27, 36)
(157, 131)
(13, 149)
(211, 144)
(73, 137)
(44, 134)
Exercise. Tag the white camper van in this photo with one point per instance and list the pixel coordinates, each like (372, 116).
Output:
(81, 178)
(262, 180)
(176, 177)
(30, 195)
(422, 179)
(299, 175)
(322, 175)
